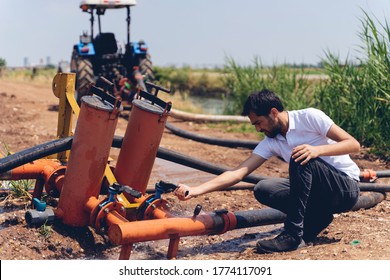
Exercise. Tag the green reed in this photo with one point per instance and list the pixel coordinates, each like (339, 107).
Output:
(357, 96)
(291, 85)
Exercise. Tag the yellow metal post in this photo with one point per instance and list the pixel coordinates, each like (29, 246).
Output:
(64, 85)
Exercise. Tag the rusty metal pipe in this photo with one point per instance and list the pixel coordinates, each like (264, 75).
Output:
(140, 144)
(147, 230)
(32, 170)
(132, 232)
(88, 159)
(139, 231)
(161, 214)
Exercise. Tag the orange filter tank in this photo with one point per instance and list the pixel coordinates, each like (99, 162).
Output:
(88, 158)
(140, 144)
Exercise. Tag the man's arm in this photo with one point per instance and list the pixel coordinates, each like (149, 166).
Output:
(346, 144)
(226, 179)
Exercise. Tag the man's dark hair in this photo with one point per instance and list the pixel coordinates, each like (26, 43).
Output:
(261, 103)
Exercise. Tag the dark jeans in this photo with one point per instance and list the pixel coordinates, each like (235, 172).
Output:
(312, 194)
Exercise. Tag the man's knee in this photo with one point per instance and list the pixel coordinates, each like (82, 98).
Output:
(311, 163)
(262, 192)
(294, 166)
(297, 170)
(271, 192)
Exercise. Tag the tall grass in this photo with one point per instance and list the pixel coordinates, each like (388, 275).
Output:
(355, 96)
(358, 96)
(292, 87)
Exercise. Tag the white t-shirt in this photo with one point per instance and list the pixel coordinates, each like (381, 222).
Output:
(307, 126)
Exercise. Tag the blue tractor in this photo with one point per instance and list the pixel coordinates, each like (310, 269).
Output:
(97, 56)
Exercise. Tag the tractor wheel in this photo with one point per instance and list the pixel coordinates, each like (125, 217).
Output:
(146, 69)
(82, 66)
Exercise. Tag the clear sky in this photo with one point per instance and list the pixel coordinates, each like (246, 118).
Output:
(193, 32)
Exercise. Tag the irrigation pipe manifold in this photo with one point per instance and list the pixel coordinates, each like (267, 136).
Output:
(112, 200)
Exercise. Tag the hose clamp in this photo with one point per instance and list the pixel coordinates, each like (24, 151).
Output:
(229, 220)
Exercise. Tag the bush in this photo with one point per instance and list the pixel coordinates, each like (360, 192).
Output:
(358, 96)
(3, 63)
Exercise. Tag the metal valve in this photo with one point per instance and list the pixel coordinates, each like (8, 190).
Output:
(118, 189)
(105, 90)
(197, 210)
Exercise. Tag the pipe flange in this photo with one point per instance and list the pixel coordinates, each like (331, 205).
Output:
(142, 207)
(94, 212)
(158, 203)
(55, 181)
(229, 220)
(109, 207)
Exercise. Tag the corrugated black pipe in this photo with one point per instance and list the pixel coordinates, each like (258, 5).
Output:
(210, 140)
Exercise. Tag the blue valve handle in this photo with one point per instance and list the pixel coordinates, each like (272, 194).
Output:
(39, 205)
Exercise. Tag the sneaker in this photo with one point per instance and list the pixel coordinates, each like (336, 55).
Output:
(284, 242)
(312, 228)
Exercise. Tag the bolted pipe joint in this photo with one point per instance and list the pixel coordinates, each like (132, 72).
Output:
(38, 218)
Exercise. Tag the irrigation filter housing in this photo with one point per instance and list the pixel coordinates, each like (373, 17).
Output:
(114, 200)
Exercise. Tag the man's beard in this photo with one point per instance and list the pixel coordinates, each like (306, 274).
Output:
(276, 129)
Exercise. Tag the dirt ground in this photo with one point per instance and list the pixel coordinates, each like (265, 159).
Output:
(29, 117)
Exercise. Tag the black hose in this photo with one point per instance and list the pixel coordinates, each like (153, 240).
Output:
(34, 153)
(210, 140)
(374, 187)
(117, 141)
(200, 165)
(268, 216)
(382, 173)
(260, 217)
(63, 144)
(369, 200)
(42, 150)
